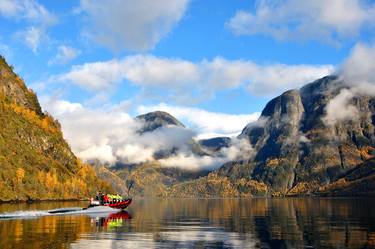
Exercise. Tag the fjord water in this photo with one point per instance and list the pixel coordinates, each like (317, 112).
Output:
(196, 223)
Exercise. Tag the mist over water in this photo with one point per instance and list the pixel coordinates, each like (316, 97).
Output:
(198, 223)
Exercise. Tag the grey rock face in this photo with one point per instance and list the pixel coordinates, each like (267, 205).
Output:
(294, 143)
(216, 143)
(154, 120)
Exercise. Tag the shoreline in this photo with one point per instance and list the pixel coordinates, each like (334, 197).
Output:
(169, 198)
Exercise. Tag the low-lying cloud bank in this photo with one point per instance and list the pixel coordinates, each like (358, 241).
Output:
(239, 149)
(111, 136)
(209, 124)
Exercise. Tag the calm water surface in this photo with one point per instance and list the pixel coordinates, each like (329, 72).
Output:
(198, 223)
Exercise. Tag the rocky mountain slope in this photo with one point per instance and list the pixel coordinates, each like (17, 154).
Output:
(158, 119)
(359, 181)
(35, 160)
(215, 144)
(152, 179)
(298, 147)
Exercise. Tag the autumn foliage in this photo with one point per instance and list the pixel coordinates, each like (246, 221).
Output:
(35, 160)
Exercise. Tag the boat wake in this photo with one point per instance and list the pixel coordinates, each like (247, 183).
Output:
(23, 214)
(60, 211)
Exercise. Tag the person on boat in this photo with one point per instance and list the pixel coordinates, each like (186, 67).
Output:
(113, 198)
(101, 198)
(110, 198)
(105, 199)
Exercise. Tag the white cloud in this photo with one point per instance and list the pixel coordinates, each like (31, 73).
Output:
(28, 10)
(96, 76)
(135, 153)
(64, 55)
(110, 135)
(192, 162)
(340, 109)
(357, 75)
(239, 149)
(32, 37)
(35, 15)
(185, 81)
(101, 152)
(90, 131)
(277, 78)
(9, 8)
(164, 72)
(206, 124)
(331, 21)
(132, 25)
(359, 67)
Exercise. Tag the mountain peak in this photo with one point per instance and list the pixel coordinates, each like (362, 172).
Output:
(322, 84)
(154, 120)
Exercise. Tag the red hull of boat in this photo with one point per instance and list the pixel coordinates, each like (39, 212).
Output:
(120, 205)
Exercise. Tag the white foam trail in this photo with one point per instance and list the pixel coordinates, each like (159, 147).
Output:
(60, 211)
(23, 214)
(100, 209)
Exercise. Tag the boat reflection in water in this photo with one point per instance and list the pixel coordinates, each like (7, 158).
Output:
(111, 221)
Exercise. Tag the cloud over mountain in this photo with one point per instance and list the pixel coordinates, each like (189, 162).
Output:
(208, 124)
(111, 135)
(357, 73)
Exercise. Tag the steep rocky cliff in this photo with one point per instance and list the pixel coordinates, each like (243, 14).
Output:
(298, 148)
(35, 160)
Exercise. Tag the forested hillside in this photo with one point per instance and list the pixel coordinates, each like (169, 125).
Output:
(35, 161)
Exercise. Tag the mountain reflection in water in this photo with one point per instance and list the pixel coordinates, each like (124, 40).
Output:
(200, 223)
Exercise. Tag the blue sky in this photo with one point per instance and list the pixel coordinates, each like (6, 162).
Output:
(225, 58)
(200, 30)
